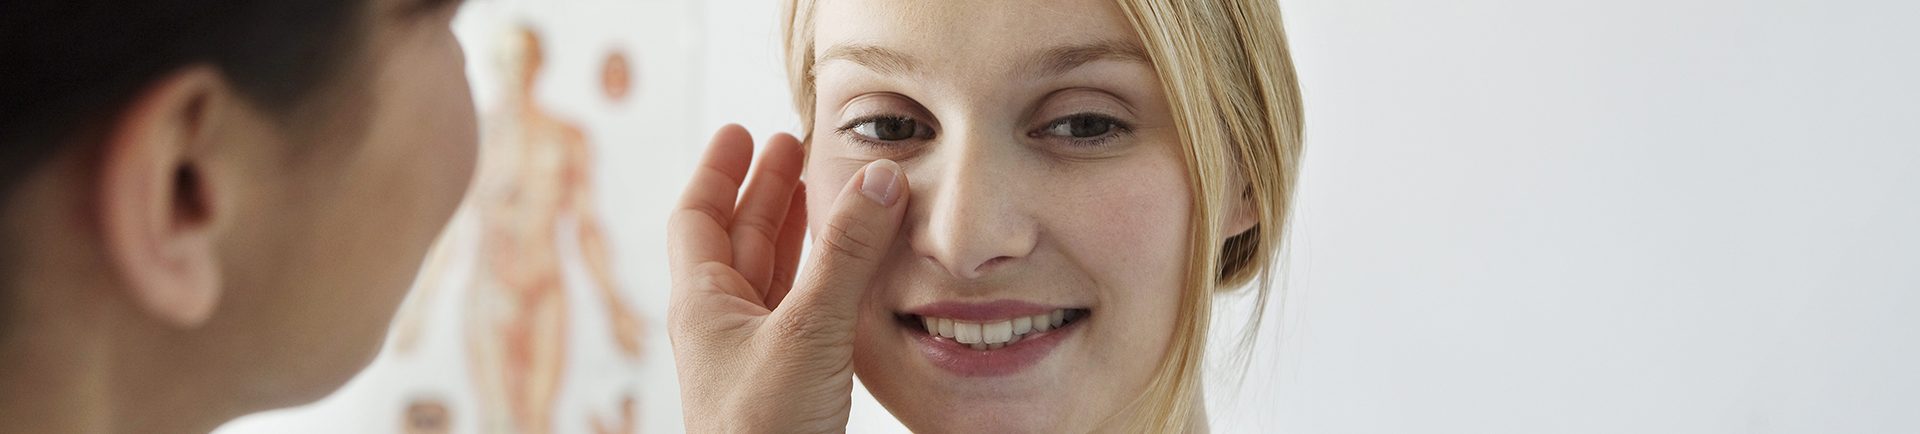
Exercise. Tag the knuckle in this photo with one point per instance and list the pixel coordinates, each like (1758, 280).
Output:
(850, 236)
(716, 173)
(775, 171)
(764, 229)
(704, 276)
(691, 215)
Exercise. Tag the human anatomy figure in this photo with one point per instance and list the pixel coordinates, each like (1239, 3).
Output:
(427, 416)
(534, 203)
(622, 422)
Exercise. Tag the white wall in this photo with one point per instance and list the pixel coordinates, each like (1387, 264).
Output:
(1536, 216)
(1623, 216)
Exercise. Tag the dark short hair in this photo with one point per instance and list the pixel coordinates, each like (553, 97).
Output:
(68, 65)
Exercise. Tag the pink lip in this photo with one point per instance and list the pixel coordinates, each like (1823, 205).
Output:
(998, 310)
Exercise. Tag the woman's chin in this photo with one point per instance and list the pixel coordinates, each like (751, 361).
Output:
(926, 414)
(934, 384)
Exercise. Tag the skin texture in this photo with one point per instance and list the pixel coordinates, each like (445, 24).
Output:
(204, 260)
(1007, 208)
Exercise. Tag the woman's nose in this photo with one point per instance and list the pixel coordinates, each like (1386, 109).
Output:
(972, 215)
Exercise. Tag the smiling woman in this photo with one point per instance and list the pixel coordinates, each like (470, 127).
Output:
(1082, 189)
(1085, 176)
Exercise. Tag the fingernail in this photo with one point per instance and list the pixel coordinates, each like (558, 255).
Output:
(880, 183)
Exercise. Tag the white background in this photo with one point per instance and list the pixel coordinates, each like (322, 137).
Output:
(1515, 217)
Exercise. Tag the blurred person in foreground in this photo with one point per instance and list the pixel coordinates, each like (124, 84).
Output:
(210, 208)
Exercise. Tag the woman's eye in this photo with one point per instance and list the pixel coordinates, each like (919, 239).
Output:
(887, 129)
(1083, 127)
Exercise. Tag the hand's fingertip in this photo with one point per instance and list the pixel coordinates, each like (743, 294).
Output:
(732, 133)
(882, 182)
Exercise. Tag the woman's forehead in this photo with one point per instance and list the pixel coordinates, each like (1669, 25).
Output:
(891, 34)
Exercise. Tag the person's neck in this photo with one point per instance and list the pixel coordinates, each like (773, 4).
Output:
(67, 372)
(525, 101)
(52, 390)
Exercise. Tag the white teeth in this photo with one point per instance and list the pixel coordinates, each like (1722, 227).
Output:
(1042, 323)
(966, 333)
(993, 335)
(997, 333)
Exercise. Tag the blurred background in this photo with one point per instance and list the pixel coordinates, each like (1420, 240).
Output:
(1642, 216)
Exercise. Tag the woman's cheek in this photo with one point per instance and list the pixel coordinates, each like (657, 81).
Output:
(1128, 228)
(823, 184)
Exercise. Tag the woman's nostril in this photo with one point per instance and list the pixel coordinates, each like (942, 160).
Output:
(989, 265)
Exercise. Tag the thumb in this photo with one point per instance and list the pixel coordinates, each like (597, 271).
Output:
(860, 230)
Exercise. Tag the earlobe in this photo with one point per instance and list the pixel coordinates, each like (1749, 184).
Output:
(157, 206)
(1242, 216)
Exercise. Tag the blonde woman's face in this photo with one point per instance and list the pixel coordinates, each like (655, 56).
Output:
(1035, 285)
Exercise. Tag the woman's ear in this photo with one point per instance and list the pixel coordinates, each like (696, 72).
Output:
(157, 206)
(1242, 215)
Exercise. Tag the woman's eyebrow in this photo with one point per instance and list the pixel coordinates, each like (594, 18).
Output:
(1052, 62)
(879, 59)
(1060, 60)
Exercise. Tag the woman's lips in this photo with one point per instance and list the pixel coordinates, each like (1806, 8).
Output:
(989, 339)
(982, 312)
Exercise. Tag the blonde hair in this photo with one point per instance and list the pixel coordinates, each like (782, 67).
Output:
(1230, 82)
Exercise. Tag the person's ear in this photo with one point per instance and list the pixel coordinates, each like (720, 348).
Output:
(1242, 214)
(157, 205)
